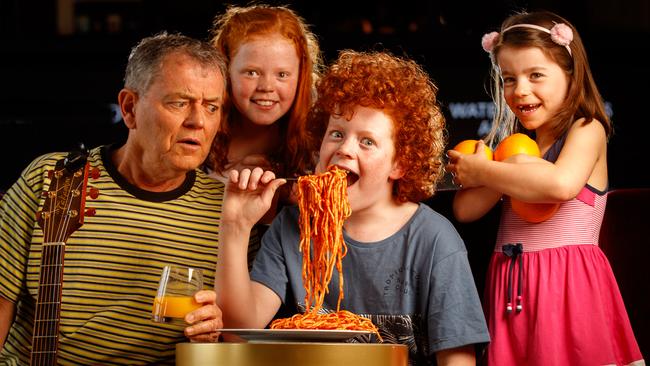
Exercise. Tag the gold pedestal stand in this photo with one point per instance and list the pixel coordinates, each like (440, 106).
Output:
(290, 354)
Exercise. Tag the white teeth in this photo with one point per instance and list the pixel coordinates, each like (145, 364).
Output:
(528, 107)
(264, 103)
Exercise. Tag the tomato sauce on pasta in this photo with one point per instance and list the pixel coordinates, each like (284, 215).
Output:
(324, 206)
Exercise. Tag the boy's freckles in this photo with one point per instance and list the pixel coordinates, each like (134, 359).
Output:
(362, 145)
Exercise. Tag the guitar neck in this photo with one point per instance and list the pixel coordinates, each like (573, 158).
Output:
(48, 305)
(61, 214)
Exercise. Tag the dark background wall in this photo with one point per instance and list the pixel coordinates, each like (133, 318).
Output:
(59, 80)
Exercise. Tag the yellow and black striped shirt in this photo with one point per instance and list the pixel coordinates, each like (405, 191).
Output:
(112, 263)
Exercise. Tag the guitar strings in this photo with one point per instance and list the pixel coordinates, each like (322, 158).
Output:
(53, 286)
(41, 326)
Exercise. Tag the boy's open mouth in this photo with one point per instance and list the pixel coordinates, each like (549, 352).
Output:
(351, 178)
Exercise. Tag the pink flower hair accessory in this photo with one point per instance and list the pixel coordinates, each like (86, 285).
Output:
(489, 40)
(562, 34)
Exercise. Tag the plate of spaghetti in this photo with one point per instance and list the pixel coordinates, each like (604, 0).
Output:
(323, 204)
(294, 335)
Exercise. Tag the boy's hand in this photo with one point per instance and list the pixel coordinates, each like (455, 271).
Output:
(249, 195)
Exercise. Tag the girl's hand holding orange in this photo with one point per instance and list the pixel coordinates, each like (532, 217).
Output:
(464, 150)
(469, 147)
(519, 143)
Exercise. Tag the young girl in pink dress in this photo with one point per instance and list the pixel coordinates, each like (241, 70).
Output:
(551, 297)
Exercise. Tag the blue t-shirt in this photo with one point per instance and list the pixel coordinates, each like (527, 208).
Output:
(416, 285)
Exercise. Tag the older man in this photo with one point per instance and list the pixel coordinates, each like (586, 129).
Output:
(155, 207)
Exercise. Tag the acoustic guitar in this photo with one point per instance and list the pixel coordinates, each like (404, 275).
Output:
(62, 213)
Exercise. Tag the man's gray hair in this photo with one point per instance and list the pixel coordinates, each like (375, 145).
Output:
(146, 58)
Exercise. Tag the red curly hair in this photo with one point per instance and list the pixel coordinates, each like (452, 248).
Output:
(238, 25)
(403, 91)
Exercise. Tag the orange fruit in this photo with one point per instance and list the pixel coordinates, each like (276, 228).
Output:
(534, 212)
(514, 144)
(469, 147)
(519, 143)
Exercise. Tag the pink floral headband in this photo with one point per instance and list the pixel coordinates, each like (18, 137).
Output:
(560, 34)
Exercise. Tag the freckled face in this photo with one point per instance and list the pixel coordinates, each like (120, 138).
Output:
(264, 78)
(364, 146)
(534, 85)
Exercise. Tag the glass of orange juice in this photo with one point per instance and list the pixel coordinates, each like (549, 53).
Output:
(175, 296)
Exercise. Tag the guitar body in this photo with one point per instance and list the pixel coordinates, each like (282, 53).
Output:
(62, 214)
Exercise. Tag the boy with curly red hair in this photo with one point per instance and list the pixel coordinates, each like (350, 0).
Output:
(406, 267)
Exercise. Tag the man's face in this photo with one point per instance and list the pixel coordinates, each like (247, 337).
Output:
(177, 118)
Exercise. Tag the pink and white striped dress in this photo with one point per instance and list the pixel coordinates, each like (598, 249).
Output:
(566, 305)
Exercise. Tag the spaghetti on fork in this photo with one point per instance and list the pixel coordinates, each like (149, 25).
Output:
(324, 206)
